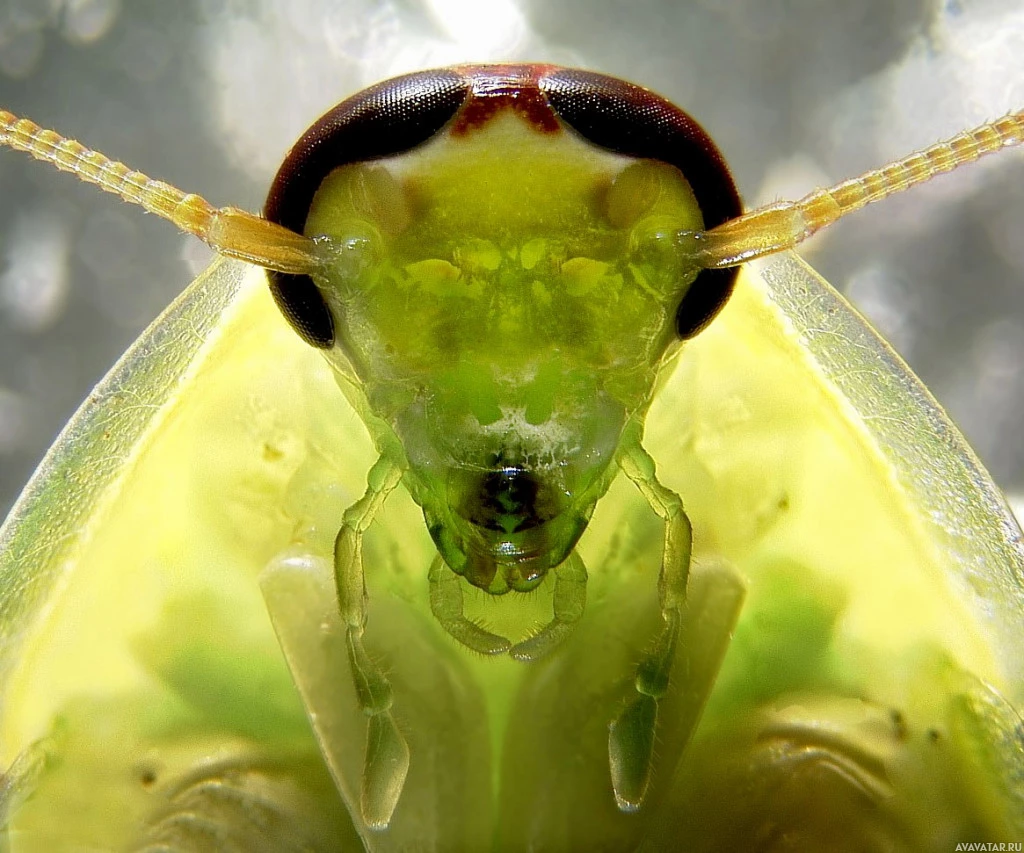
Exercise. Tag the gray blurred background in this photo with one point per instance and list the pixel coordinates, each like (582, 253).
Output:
(208, 94)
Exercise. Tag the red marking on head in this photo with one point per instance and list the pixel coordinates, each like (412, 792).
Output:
(497, 88)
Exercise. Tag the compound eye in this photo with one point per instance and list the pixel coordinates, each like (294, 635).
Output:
(703, 300)
(299, 299)
(630, 120)
(383, 121)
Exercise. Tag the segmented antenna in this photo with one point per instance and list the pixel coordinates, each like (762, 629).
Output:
(784, 224)
(228, 230)
(760, 232)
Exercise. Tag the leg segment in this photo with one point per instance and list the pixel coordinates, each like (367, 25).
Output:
(446, 605)
(631, 734)
(569, 602)
(387, 753)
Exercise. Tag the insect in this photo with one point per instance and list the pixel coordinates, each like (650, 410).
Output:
(502, 267)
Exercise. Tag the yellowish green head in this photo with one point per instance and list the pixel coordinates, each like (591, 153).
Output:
(512, 292)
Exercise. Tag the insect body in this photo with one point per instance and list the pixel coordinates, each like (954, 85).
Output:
(499, 264)
(503, 299)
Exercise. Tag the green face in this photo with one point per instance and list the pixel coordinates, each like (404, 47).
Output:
(518, 303)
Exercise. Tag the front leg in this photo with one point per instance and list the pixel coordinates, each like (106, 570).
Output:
(631, 735)
(386, 762)
(568, 603)
(298, 589)
(446, 604)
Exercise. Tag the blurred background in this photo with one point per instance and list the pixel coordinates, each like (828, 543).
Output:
(209, 94)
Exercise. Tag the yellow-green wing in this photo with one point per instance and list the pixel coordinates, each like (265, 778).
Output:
(95, 635)
(63, 500)
(873, 682)
(145, 698)
(976, 540)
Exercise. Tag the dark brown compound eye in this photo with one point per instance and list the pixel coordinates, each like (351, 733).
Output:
(384, 120)
(400, 114)
(630, 120)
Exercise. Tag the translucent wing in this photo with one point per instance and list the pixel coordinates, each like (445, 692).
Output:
(869, 675)
(140, 661)
(60, 505)
(872, 680)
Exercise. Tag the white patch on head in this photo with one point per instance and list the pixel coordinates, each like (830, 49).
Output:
(542, 444)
